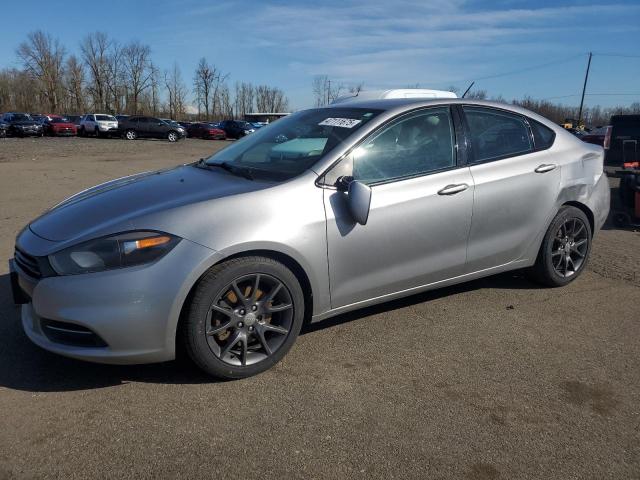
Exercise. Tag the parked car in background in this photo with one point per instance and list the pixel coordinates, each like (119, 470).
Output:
(205, 130)
(150, 127)
(236, 128)
(75, 119)
(22, 125)
(622, 140)
(258, 125)
(4, 128)
(595, 136)
(326, 211)
(98, 124)
(55, 125)
(38, 117)
(122, 117)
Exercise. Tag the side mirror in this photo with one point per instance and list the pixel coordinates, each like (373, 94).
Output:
(358, 198)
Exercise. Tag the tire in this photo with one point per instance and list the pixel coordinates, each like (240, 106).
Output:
(96, 132)
(262, 337)
(173, 137)
(130, 135)
(568, 235)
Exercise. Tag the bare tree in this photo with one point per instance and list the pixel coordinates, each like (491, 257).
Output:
(42, 58)
(74, 84)
(206, 83)
(270, 99)
(325, 91)
(115, 80)
(225, 105)
(155, 89)
(176, 92)
(244, 98)
(137, 72)
(95, 52)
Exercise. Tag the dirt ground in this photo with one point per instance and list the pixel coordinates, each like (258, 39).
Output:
(494, 379)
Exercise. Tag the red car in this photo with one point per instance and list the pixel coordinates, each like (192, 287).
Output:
(55, 125)
(205, 130)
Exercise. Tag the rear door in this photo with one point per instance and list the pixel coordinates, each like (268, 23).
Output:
(516, 186)
(144, 127)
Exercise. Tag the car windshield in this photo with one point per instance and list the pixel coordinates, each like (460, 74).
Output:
(59, 120)
(290, 146)
(20, 117)
(105, 118)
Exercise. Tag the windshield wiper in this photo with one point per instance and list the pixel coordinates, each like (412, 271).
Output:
(226, 166)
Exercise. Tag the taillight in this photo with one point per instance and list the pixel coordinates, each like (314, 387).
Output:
(607, 138)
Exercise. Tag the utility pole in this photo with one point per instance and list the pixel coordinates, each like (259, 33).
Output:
(584, 88)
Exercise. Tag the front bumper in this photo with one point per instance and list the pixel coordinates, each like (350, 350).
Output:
(28, 132)
(106, 129)
(134, 310)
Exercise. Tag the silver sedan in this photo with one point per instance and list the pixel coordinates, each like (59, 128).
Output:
(324, 211)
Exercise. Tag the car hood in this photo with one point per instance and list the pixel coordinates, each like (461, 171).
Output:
(117, 204)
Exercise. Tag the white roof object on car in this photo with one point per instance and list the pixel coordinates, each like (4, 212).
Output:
(395, 93)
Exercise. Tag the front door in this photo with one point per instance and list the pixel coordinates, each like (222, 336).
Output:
(420, 215)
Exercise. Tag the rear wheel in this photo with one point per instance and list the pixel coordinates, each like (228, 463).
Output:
(244, 317)
(173, 137)
(565, 249)
(130, 135)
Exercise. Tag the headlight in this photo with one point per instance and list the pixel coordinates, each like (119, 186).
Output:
(117, 251)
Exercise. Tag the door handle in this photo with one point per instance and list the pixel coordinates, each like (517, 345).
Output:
(545, 167)
(453, 189)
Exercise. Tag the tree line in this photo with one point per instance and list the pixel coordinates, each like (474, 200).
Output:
(592, 116)
(325, 91)
(111, 77)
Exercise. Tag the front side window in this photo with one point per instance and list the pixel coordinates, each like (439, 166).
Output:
(290, 146)
(496, 134)
(415, 144)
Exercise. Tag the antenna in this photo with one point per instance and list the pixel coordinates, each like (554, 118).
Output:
(467, 90)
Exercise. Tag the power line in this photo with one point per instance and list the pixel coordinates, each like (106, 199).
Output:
(593, 95)
(521, 70)
(616, 55)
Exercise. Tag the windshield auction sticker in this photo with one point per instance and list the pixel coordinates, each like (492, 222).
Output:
(340, 122)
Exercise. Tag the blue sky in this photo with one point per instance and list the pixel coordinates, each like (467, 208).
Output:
(381, 43)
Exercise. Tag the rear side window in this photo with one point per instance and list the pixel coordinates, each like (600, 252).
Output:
(543, 137)
(496, 134)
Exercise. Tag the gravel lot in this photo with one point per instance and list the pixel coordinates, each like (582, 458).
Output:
(495, 379)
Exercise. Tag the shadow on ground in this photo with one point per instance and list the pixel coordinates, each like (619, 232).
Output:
(24, 366)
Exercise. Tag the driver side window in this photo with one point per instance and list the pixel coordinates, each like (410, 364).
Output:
(415, 144)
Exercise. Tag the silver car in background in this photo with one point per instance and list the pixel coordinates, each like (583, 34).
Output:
(322, 212)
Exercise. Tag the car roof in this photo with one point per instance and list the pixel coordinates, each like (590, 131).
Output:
(399, 105)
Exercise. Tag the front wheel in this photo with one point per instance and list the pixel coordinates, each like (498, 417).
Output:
(173, 137)
(244, 316)
(130, 135)
(565, 248)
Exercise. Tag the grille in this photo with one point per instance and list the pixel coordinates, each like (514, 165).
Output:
(71, 334)
(28, 263)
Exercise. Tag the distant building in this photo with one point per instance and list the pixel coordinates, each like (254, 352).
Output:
(264, 117)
